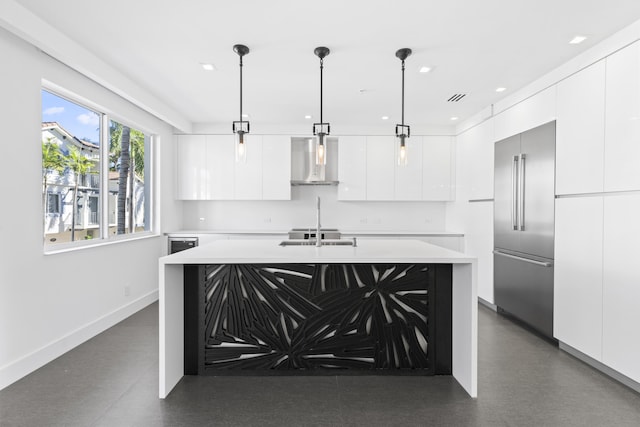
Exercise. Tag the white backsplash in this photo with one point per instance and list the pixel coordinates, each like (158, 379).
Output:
(300, 212)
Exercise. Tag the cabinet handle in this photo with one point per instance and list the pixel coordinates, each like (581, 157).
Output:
(514, 193)
(521, 192)
(519, 258)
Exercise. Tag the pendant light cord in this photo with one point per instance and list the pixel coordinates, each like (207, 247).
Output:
(321, 68)
(241, 88)
(403, 92)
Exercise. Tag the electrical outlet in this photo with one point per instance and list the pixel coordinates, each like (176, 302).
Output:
(267, 220)
(363, 220)
(127, 290)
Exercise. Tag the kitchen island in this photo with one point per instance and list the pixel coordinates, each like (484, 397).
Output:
(333, 274)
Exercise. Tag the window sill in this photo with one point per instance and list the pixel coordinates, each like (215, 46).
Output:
(81, 245)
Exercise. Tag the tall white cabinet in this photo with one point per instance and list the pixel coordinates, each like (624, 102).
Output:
(578, 274)
(621, 290)
(622, 121)
(580, 131)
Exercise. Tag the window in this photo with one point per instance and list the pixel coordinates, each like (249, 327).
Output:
(94, 180)
(127, 167)
(53, 204)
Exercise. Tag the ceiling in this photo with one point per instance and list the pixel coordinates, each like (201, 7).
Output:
(473, 46)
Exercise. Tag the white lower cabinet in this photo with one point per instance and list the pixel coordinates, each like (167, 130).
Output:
(578, 279)
(621, 296)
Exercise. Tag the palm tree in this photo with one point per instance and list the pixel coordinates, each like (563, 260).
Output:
(52, 161)
(123, 177)
(126, 156)
(80, 165)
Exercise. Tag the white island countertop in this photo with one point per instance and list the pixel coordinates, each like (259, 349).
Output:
(269, 251)
(464, 290)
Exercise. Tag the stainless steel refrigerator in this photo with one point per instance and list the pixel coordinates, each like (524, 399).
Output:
(524, 201)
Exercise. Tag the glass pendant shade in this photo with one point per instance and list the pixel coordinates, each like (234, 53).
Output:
(320, 132)
(241, 147)
(402, 151)
(240, 131)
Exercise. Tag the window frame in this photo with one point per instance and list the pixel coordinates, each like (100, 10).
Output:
(105, 115)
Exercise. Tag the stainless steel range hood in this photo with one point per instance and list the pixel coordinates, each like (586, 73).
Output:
(304, 170)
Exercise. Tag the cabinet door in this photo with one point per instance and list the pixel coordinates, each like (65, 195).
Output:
(580, 132)
(276, 167)
(381, 164)
(248, 175)
(352, 168)
(220, 159)
(622, 128)
(578, 274)
(408, 179)
(438, 170)
(621, 293)
(191, 167)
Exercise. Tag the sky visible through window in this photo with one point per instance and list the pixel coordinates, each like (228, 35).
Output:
(78, 121)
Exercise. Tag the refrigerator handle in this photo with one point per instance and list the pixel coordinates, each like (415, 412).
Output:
(521, 192)
(519, 258)
(514, 193)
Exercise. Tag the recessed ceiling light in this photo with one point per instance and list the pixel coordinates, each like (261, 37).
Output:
(454, 118)
(307, 117)
(245, 116)
(425, 69)
(385, 117)
(208, 67)
(501, 89)
(577, 40)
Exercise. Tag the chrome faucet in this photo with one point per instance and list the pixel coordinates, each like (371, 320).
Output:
(318, 232)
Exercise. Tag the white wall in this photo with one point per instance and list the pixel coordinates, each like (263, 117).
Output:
(300, 211)
(51, 303)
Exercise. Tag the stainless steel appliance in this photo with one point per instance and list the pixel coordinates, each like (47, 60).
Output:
(524, 201)
(177, 244)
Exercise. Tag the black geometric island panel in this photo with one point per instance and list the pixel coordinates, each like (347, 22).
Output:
(312, 317)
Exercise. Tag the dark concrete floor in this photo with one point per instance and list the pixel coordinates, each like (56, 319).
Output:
(112, 380)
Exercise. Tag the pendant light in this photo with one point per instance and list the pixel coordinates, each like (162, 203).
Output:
(241, 127)
(403, 131)
(321, 130)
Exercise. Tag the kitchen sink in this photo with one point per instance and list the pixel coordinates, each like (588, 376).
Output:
(312, 242)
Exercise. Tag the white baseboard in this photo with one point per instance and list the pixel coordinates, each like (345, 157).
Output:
(635, 386)
(22, 367)
(487, 304)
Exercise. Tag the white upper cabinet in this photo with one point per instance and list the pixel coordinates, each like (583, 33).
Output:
(248, 174)
(276, 167)
(352, 168)
(408, 178)
(220, 160)
(580, 131)
(621, 293)
(577, 305)
(381, 164)
(192, 168)
(622, 125)
(528, 114)
(438, 168)
(207, 169)
(476, 155)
